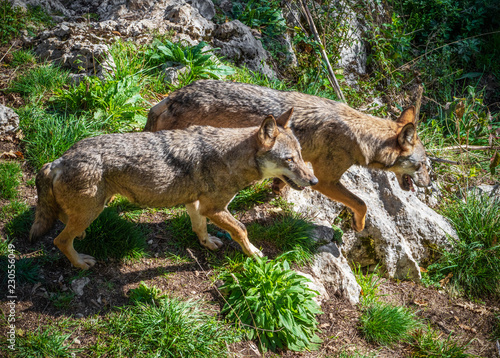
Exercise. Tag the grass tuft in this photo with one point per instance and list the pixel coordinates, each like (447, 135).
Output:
(43, 343)
(290, 233)
(49, 135)
(145, 294)
(473, 263)
(23, 57)
(10, 178)
(171, 328)
(111, 236)
(384, 324)
(251, 196)
(427, 344)
(38, 81)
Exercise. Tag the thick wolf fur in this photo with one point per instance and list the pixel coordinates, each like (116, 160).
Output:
(202, 167)
(333, 135)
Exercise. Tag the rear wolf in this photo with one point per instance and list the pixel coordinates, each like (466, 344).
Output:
(333, 136)
(202, 167)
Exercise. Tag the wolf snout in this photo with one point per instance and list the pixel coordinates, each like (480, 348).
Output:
(313, 181)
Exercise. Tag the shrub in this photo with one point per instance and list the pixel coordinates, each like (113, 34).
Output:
(274, 305)
(201, 64)
(427, 344)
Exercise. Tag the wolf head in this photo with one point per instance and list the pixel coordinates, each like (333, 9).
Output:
(279, 153)
(412, 164)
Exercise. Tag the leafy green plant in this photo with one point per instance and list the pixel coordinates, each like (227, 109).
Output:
(39, 80)
(171, 328)
(274, 305)
(10, 178)
(145, 294)
(114, 103)
(369, 285)
(111, 236)
(473, 262)
(427, 344)
(48, 135)
(201, 64)
(385, 324)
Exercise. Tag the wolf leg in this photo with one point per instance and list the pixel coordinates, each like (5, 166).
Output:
(199, 224)
(237, 230)
(64, 241)
(338, 192)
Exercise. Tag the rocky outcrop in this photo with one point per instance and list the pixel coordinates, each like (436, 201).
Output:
(9, 120)
(237, 44)
(401, 231)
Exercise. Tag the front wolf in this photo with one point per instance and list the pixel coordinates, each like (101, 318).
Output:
(333, 136)
(202, 167)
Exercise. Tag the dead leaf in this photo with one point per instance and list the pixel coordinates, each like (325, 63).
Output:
(423, 270)
(12, 155)
(445, 280)
(471, 307)
(460, 110)
(467, 328)
(420, 303)
(116, 33)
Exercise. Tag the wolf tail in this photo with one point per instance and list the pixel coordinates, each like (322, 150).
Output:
(47, 210)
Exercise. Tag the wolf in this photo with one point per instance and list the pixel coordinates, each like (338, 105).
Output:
(333, 135)
(202, 167)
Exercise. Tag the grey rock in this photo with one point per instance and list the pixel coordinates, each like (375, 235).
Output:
(492, 191)
(400, 230)
(78, 285)
(172, 74)
(187, 19)
(206, 8)
(335, 271)
(9, 120)
(237, 44)
(51, 6)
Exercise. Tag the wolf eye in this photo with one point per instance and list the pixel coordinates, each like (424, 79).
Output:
(289, 160)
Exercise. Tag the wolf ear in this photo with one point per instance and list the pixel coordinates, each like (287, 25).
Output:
(408, 116)
(407, 136)
(284, 119)
(268, 132)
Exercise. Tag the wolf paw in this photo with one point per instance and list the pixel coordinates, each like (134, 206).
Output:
(85, 262)
(213, 243)
(255, 251)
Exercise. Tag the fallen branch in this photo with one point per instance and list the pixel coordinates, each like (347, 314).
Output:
(331, 74)
(459, 148)
(440, 160)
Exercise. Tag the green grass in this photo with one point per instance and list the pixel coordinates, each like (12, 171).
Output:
(10, 178)
(290, 233)
(474, 259)
(171, 328)
(385, 324)
(62, 300)
(20, 222)
(273, 304)
(4, 246)
(13, 209)
(111, 236)
(251, 196)
(23, 57)
(427, 344)
(15, 19)
(39, 80)
(179, 225)
(42, 343)
(48, 135)
(369, 284)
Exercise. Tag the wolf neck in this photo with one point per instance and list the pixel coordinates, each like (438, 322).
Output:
(355, 137)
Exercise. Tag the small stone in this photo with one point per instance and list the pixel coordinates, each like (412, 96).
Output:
(78, 285)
